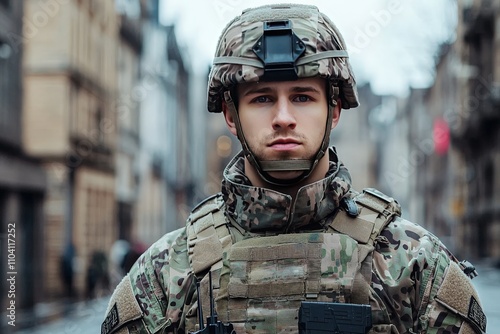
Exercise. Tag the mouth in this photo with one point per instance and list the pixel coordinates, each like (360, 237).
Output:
(284, 144)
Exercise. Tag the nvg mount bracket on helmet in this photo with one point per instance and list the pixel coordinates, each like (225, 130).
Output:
(278, 48)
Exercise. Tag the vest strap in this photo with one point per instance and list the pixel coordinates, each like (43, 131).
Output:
(208, 236)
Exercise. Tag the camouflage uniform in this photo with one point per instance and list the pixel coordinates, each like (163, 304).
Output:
(416, 285)
(266, 252)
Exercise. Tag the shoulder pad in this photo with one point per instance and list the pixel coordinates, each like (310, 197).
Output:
(379, 202)
(122, 308)
(365, 214)
(458, 295)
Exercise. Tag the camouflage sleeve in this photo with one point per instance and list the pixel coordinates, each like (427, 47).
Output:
(150, 299)
(420, 284)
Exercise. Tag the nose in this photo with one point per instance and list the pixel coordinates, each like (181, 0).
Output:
(283, 116)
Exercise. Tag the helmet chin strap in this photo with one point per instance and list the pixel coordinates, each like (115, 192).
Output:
(265, 167)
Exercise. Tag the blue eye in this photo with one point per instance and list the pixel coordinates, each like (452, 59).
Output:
(302, 98)
(261, 99)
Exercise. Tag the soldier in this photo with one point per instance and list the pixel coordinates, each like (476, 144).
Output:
(286, 228)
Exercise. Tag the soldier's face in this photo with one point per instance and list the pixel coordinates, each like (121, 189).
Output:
(283, 120)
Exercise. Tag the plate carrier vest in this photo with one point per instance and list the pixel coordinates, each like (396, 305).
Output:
(260, 280)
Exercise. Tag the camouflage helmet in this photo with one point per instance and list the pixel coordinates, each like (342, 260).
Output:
(324, 53)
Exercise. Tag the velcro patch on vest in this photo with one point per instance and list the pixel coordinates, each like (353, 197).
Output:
(359, 228)
(459, 296)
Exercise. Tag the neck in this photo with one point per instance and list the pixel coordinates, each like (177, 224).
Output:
(317, 174)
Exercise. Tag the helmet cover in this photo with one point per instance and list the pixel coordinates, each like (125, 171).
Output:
(236, 61)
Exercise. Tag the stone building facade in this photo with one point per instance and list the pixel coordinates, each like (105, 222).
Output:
(22, 179)
(99, 138)
(455, 136)
(70, 124)
(129, 54)
(477, 135)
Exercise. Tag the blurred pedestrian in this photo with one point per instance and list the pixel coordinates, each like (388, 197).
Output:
(67, 269)
(116, 257)
(97, 277)
(134, 252)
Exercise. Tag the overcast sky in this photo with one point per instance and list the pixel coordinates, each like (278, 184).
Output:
(391, 43)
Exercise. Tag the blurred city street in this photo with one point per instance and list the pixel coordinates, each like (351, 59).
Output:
(106, 141)
(81, 318)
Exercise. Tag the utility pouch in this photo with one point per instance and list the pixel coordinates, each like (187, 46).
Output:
(338, 318)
